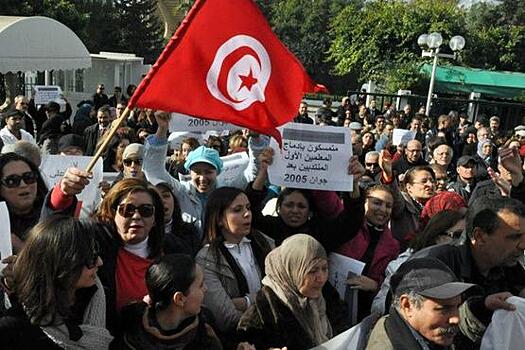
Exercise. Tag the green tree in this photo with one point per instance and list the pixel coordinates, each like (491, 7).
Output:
(378, 39)
(102, 25)
(496, 36)
(140, 28)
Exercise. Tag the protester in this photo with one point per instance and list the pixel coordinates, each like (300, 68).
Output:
(411, 158)
(179, 236)
(176, 166)
(94, 133)
(12, 131)
(173, 318)
(373, 245)
(23, 190)
(297, 212)
(131, 238)
(71, 145)
(295, 308)
(425, 311)
(204, 166)
(490, 258)
(58, 300)
(233, 259)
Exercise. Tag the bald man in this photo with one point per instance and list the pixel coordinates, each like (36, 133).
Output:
(412, 157)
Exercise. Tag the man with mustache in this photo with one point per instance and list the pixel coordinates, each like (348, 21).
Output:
(491, 258)
(425, 308)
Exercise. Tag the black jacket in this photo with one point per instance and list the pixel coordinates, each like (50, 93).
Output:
(91, 134)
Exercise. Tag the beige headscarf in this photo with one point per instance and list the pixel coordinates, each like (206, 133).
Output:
(286, 266)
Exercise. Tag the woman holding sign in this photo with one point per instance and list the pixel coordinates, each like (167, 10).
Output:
(330, 223)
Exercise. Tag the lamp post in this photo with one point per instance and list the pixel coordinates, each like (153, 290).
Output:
(430, 44)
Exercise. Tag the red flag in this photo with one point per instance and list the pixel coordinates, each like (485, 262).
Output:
(225, 63)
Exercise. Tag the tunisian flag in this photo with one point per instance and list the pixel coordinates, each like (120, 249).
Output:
(225, 63)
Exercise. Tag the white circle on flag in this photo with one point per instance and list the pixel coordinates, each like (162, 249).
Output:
(240, 72)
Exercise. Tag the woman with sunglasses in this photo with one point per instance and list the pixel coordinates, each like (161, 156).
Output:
(23, 190)
(133, 219)
(57, 298)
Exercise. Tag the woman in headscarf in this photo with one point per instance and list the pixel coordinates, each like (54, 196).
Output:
(485, 159)
(295, 308)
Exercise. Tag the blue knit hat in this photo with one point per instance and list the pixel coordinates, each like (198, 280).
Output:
(204, 154)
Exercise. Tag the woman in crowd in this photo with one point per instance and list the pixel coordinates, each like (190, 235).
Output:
(369, 143)
(295, 308)
(176, 166)
(173, 317)
(485, 159)
(470, 141)
(179, 236)
(132, 216)
(113, 158)
(317, 213)
(374, 244)
(58, 300)
(233, 259)
(419, 186)
(204, 165)
(23, 190)
(442, 201)
(444, 227)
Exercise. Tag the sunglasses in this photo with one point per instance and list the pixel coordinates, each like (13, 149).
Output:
(371, 164)
(128, 210)
(129, 162)
(13, 181)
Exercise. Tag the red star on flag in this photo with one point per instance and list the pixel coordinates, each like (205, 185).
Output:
(247, 81)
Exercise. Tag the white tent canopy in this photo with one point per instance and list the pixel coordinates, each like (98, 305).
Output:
(38, 44)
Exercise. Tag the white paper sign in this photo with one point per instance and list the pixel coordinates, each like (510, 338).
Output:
(183, 122)
(402, 136)
(6, 248)
(45, 94)
(232, 166)
(312, 157)
(339, 267)
(53, 168)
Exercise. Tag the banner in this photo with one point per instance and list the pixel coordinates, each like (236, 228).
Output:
(183, 122)
(402, 137)
(6, 248)
(53, 167)
(313, 157)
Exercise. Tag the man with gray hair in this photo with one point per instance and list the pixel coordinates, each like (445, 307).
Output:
(28, 123)
(425, 308)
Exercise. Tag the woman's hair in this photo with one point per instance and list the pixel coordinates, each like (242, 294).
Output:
(191, 141)
(377, 188)
(171, 274)
(41, 188)
(237, 141)
(288, 191)
(437, 226)
(122, 189)
(50, 264)
(218, 201)
(410, 174)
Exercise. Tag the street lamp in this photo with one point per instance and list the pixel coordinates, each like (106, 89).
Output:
(430, 44)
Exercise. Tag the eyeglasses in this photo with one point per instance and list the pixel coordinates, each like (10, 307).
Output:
(371, 164)
(13, 181)
(128, 210)
(128, 162)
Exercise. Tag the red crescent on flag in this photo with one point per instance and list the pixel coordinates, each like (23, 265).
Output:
(228, 62)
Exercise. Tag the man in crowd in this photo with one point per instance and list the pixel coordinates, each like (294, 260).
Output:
(343, 111)
(373, 111)
(466, 178)
(425, 308)
(372, 168)
(411, 158)
(379, 126)
(490, 258)
(22, 105)
(95, 132)
(13, 131)
(114, 100)
(325, 113)
(100, 98)
(302, 116)
(415, 126)
(52, 129)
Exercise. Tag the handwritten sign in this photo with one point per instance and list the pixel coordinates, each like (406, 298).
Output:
(53, 167)
(183, 122)
(313, 157)
(402, 136)
(45, 94)
(232, 166)
(6, 248)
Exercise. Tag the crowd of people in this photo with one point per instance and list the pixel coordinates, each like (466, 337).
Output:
(176, 257)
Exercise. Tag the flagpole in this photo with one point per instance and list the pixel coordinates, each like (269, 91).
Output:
(107, 138)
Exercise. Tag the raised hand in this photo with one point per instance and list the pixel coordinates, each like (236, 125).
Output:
(74, 181)
(510, 159)
(385, 163)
